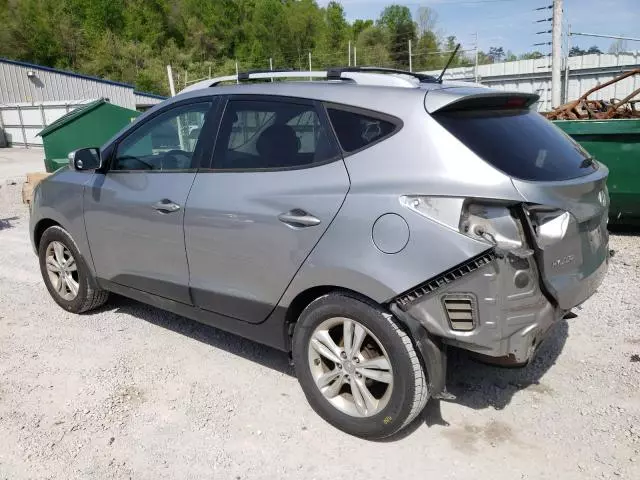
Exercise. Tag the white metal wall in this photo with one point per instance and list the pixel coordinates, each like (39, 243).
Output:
(44, 84)
(534, 76)
(21, 122)
(144, 101)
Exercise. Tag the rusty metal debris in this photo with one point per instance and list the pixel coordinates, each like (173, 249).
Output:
(585, 109)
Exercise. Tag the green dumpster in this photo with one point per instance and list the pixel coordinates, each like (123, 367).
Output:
(89, 125)
(616, 143)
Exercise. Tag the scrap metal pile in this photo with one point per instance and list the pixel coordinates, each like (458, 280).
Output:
(585, 109)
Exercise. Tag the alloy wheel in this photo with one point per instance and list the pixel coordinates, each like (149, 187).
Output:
(350, 367)
(62, 270)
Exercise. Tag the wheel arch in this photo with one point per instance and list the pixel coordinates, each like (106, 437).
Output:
(40, 227)
(304, 298)
(431, 351)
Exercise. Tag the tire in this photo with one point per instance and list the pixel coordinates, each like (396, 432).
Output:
(84, 295)
(393, 409)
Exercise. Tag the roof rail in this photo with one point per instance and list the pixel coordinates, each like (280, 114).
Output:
(424, 78)
(360, 75)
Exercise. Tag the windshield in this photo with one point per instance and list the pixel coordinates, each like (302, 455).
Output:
(521, 143)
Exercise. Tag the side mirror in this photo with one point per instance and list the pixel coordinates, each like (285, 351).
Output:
(85, 159)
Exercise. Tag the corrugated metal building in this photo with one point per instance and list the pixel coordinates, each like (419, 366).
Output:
(33, 96)
(534, 76)
(22, 82)
(146, 100)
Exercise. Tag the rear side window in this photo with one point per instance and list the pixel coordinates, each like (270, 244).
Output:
(356, 130)
(521, 143)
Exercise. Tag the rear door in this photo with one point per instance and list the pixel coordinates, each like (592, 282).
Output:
(134, 212)
(276, 182)
(565, 189)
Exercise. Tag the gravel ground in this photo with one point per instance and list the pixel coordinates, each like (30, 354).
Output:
(131, 391)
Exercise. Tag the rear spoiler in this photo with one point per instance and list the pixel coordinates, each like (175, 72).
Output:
(471, 98)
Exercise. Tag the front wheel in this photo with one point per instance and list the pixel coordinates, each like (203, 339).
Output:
(358, 369)
(65, 274)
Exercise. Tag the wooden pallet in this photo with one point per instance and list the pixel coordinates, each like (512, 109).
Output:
(33, 179)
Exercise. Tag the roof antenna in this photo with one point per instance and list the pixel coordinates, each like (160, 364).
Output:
(439, 79)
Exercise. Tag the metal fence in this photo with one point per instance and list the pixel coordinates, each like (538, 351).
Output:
(21, 122)
(534, 76)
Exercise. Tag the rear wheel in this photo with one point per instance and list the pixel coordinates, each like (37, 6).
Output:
(65, 273)
(358, 369)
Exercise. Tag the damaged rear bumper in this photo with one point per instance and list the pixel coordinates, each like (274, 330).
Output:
(502, 313)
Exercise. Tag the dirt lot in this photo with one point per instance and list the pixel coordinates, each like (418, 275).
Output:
(131, 391)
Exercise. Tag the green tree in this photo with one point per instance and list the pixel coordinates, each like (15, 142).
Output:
(531, 55)
(371, 45)
(358, 26)
(337, 31)
(398, 24)
(576, 51)
(496, 54)
(134, 40)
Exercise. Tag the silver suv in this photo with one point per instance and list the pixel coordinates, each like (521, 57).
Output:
(362, 223)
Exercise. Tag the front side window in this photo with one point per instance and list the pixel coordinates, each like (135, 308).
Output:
(271, 134)
(357, 130)
(166, 142)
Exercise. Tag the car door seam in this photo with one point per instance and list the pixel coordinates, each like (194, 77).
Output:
(304, 261)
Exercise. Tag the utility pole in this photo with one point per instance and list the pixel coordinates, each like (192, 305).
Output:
(271, 66)
(355, 56)
(410, 59)
(475, 70)
(565, 96)
(237, 73)
(556, 59)
(172, 87)
(349, 52)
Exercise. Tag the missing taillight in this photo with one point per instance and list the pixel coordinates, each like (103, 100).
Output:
(549, 225)
(490, 221)
(494, 224)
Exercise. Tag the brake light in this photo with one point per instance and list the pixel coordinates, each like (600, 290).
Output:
(515, 102)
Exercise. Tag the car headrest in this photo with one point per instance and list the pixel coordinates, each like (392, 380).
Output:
(278, 141)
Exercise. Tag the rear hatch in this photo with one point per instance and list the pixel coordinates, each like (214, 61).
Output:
(566, 199)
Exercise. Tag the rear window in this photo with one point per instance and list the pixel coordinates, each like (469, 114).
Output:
(521, 143)
(356, 130)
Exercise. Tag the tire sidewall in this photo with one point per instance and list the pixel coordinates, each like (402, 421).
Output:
(60, 235)
(393, 416)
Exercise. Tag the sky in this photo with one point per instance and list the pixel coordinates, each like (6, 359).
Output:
(511, 23)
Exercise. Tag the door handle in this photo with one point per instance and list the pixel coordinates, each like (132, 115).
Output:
(298, 218)
(166, 206)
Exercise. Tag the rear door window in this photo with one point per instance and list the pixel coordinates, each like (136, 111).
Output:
(357, 130)
(272, 134)
(521, 143)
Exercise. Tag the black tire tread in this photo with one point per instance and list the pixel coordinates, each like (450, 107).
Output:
(421, 391)
(95, 297)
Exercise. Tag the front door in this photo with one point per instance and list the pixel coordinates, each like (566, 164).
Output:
(134, 212)
(277, 182)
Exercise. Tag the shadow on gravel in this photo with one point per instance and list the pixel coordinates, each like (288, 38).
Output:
(479, 386)
(6, 222)
(475, 385)
(632, 230)
(255, 352)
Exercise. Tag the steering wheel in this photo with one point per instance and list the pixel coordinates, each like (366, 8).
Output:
(147, 166)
